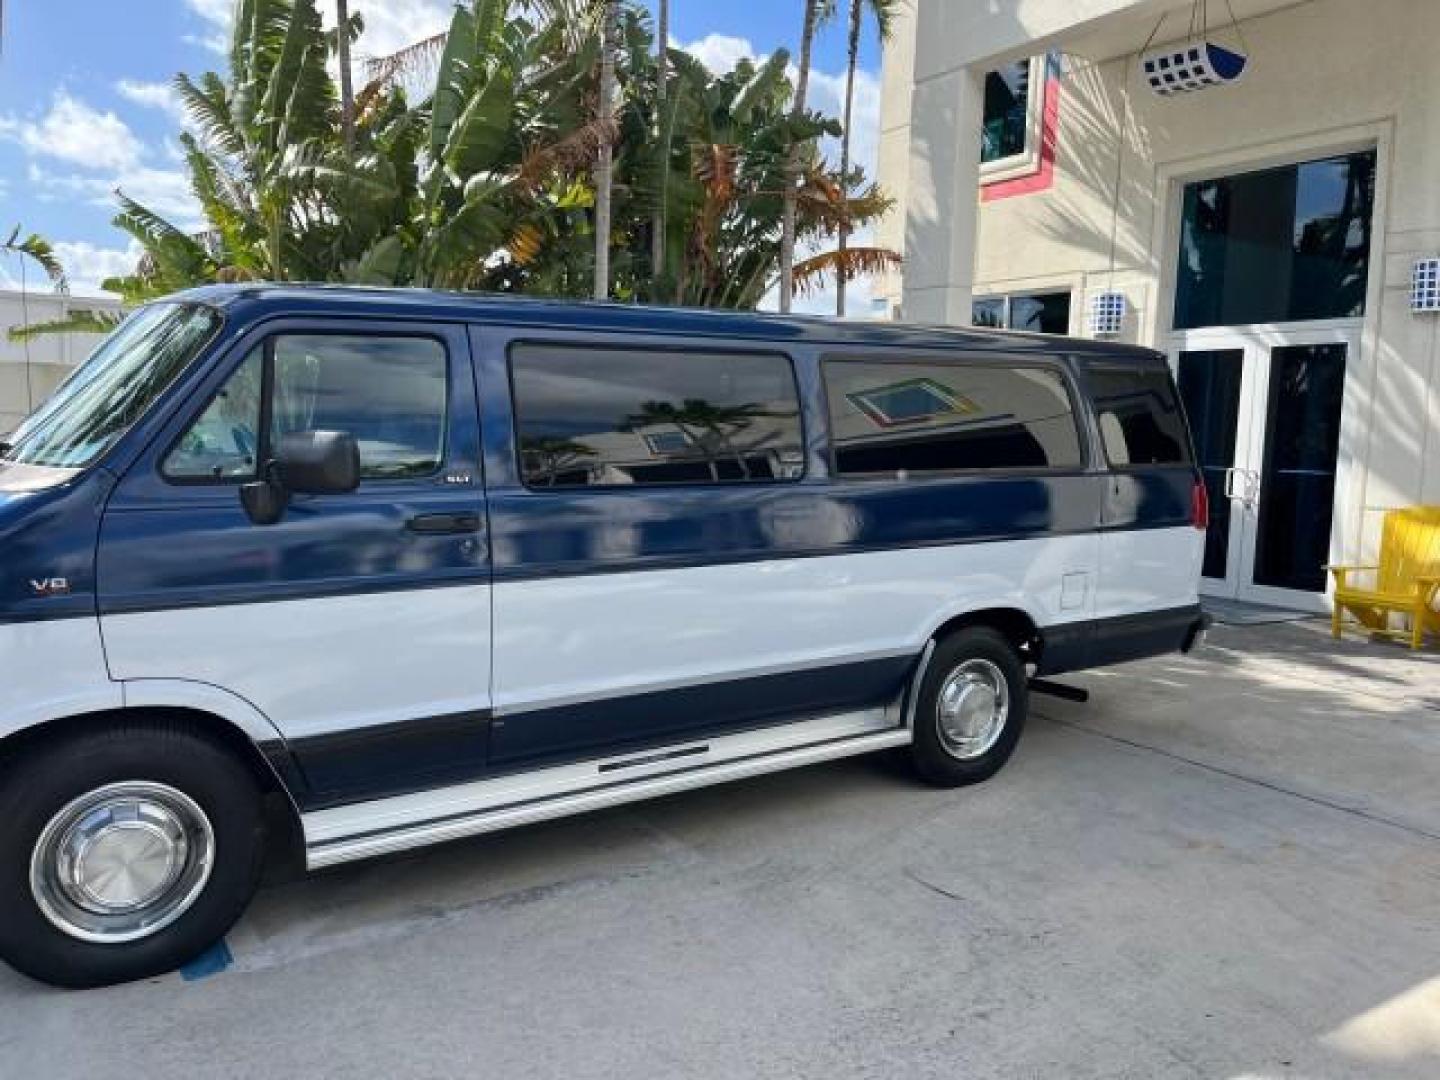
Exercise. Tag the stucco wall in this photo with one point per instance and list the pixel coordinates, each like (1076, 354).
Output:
(29, 372)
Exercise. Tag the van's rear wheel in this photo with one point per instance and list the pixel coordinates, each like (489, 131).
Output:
(126, 852)
(970, 709)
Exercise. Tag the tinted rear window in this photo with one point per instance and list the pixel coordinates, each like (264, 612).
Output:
(905, 419)
(608, 417)
(1140, 418)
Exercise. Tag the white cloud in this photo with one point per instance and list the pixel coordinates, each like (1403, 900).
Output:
(390, 25)
(217, 12)
(86, 264)
(720, 53)
(166, 191)
(153, 95)
(74, 131)
(217, 15)
(827, 95)
(103, 154)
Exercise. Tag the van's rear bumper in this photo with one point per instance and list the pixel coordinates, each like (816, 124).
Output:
(1198, 629)
(1101, 642)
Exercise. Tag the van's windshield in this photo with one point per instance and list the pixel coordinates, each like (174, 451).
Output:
(113, 388)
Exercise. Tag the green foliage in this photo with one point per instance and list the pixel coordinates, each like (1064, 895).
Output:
(487, 181)
(79, 321)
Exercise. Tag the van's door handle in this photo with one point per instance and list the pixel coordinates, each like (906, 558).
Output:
(440, 524)
(1232, 488)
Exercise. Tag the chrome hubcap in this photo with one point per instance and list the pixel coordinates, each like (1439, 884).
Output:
(122, 862)
(971, 709)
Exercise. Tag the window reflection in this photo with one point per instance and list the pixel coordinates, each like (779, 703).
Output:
(610, 417)
(1037, 313)
(890, 419)
(115, 387)
(1140, 419)
(388, 392)
(1006, 119)
(1277, 245)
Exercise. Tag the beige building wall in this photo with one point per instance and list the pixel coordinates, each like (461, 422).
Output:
(1325, 76)
(30, 371)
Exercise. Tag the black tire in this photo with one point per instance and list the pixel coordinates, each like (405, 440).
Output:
(46, 777)
(930, 754)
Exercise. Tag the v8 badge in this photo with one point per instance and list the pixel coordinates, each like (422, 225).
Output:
(53, 586)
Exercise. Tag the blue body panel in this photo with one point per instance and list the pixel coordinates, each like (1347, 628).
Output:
(636, 721)
(322, 547)
(48, 525)
(541, 534)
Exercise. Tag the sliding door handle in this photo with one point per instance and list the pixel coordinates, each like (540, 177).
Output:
(442, 524)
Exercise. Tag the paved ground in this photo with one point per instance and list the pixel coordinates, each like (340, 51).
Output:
(1223, 866)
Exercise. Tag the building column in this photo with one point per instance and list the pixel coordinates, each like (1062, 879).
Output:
(943, 198)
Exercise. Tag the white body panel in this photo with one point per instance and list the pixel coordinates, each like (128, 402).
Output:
(52, 668)
(564, 639)
(1148, 570)
(188, 694)
(319, 666)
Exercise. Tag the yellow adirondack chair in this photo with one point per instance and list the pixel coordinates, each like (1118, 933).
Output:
(1406, 582)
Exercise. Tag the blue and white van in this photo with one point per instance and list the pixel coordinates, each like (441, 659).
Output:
(419, 566)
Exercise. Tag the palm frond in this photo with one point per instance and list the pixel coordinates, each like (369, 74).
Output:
(812, 273)
(78, 321)
(36, 248)
(418, 62)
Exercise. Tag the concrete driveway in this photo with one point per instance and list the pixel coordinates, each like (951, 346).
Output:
(1223, 866)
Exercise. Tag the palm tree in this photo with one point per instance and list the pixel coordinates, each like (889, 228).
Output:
(816, 12)
(711, 429)
(489, 181)
(605, 160)
(549, 456)
(884, 12)
(342, 55)
(662, 140)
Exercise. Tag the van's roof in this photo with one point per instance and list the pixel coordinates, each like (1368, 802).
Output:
(261, 300)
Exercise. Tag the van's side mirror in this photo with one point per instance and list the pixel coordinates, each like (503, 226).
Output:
(318, 462)
(305, 463)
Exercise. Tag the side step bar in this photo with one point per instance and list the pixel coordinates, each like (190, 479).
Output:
(1059, 690)
(343, 834)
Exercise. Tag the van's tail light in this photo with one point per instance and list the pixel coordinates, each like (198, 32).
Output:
(1200, 505)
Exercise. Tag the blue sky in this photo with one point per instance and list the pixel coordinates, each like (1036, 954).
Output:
(85, 112)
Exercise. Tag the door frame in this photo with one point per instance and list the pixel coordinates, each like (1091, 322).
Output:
(1257, 342)
(1188, 162)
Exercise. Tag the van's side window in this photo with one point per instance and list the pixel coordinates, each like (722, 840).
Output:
(388, 392)
(906, 419)
(596, 417)
(222, 443)
(1140, 418)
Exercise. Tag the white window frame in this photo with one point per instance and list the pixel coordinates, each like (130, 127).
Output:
(1009, 295)
(1027, 162)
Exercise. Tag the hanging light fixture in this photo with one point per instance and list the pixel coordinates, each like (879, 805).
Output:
(1195, 63)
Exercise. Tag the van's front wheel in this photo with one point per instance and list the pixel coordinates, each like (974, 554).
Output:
(127, 851)
(970, 709)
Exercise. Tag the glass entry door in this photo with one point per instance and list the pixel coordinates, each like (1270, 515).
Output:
(1265, 410)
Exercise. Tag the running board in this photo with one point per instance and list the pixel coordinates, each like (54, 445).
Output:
(345, 833)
